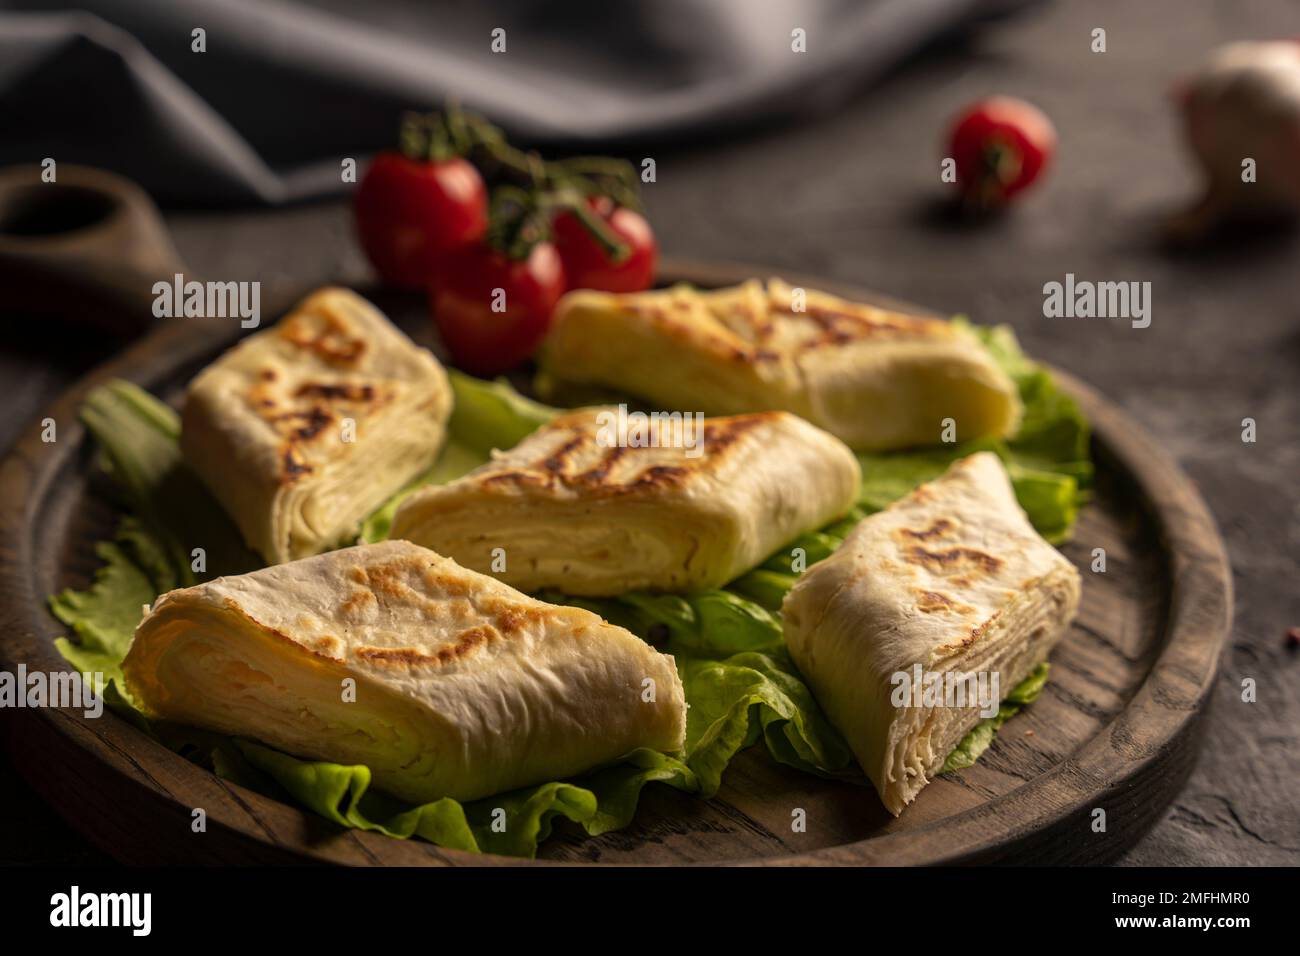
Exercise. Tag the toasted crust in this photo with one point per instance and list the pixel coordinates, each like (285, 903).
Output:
(328, 361)
(567, 457)
(767, 323)
(763, 326)
(872, 377)
(303, 429)
(464, 687)
(572, 508)
(952, 579)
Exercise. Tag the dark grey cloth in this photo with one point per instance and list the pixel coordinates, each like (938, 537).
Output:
(286, 90)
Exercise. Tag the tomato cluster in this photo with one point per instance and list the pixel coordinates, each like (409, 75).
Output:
(496, 236)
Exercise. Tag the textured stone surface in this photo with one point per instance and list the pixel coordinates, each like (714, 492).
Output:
(853, 196)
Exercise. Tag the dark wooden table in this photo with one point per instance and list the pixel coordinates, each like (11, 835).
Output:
(853, 196)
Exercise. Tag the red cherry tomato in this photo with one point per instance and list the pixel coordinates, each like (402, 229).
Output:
(1001, 146)
(589, 266)
(411, 212)
(491, 311)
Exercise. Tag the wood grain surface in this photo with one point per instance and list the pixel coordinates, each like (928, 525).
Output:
(1116, 729)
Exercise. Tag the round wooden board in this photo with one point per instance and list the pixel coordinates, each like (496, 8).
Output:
(1117, 727)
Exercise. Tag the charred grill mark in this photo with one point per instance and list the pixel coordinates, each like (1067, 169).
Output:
(558, 459)
(313, 647)
(511, 621)
(313, 421)
(721, 434)
(829, 318)
(838, 327)
(597, 474)
(935, 602)
(515, 477)
(300, 424)
(293, 469)
(389, 580)
(461, 646)
(449, 584)
(938, 527)
(349, 391)
(832, 327)
(660, 476)
(327, 645)
(511, 617)
(561, 469)
(358, 603)
(979, 630)
(953, 561)
(324, 334)
(748, 335)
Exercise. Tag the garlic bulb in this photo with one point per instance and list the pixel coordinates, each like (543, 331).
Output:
(1242, 116)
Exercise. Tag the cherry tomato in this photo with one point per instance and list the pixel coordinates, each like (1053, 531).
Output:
(589, 266)
(411, 212)
(491, 311)
(1001, 146)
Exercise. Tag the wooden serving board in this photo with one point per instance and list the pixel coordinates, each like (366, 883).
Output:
(1116, 729)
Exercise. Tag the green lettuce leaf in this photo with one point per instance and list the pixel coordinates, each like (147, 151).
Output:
(456, 459)
(138, 438)
(485, 416)
(740, 683)
(510, 824)
(104, 616)
(981, 736)
(488, 415)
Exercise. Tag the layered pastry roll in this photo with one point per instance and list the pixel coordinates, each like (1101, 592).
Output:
(576, 508)
(304, 429)
(950, 584)
(463, 686)
(874, 378)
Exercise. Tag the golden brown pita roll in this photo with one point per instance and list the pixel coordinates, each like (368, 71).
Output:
(461, 686)
(304, 429)
(570, 508)
(874, 378)
(951, 580)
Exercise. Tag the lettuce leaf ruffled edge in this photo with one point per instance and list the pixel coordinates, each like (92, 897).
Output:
(742, 686)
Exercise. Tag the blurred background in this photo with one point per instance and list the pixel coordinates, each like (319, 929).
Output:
(825, 163)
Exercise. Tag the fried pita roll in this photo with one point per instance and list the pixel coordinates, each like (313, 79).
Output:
(951, 580)
(302, 430)
(876, 379)
(571, 508)
(463, 686)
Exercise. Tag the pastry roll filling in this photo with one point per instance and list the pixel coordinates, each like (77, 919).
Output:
(570, 510)
(951, 582)
(302, 430)
(875, 378)
(444, 682)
